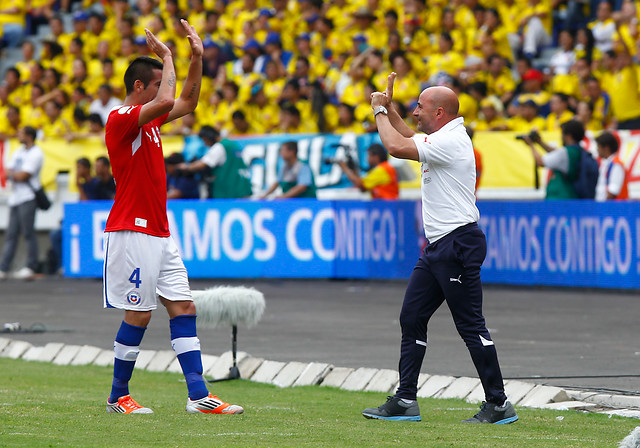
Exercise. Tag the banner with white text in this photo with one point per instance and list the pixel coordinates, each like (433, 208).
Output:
(278, 239)
(562, 243)
(554, 243)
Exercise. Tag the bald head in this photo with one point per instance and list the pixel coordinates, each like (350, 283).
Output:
(440, 96)
(437, 106)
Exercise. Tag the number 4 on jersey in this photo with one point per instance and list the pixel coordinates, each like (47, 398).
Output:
(135, 277)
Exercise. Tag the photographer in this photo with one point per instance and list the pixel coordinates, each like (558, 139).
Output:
(381, 180)
(223, 161)
(563, 162)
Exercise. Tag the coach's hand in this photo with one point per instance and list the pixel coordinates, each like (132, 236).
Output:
(194, 39)
(389, 92)
(384, 98)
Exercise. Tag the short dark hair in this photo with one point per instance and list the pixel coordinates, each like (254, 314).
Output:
(291, 145)
(79, 114)
(31, 132)
(609, 140)
(392, 13)
(351, 109)
(573, 128)
(104, 160)
(238, 115)
(294, 83)
(174, 159)
(83, 161)
(209, 133)
(290, 109)
(378, 150)
(95, 118)
(140, 69)
(480, 87)
(15, 71)
(56, 74)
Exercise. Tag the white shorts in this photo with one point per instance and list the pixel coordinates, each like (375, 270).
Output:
(138, 268)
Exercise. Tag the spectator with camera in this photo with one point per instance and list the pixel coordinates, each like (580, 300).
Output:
(229, 176)
(381, 180)
(563, 162)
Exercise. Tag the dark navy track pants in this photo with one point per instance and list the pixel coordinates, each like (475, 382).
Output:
(449, 270)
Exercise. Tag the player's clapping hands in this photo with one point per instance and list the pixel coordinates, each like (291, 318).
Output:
(160, 49)
(194, 39)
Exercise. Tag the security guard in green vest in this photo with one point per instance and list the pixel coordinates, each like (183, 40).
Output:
(229, 172)
(294, 176)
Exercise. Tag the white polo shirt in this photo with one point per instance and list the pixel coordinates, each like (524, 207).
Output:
(448, 179)
(30, 161)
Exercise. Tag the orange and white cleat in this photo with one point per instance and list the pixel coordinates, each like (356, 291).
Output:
(212, 405)
(127, 405)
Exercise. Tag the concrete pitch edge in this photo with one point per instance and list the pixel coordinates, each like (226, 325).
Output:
(296, 373)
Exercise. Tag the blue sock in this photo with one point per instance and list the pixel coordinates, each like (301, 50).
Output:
(126, 348)
(186, 344)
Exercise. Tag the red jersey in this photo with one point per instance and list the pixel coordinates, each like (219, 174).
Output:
(138, 167)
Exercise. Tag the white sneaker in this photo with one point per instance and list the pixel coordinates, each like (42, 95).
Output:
(3, 275)
(127, 405)
(24, 274)
(212, 405)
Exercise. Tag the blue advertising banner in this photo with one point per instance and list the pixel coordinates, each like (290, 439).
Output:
(283, 239)
(554, 243)
(562, 243)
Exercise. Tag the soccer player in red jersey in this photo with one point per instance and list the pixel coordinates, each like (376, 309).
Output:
(142, 263)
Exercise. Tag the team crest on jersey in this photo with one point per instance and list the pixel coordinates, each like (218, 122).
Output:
(134, 297)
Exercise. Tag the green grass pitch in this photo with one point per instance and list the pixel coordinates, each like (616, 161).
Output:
(44, 405)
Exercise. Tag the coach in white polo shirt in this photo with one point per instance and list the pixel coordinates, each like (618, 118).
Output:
(449, 268)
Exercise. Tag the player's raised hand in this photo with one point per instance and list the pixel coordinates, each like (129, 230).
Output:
(194, 39)
(160, 49)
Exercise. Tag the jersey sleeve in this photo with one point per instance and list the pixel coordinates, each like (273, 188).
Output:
(215, 156)
(557, 160)
(123, 121)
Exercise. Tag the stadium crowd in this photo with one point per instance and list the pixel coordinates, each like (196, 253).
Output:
(292, 66)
